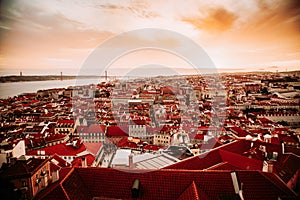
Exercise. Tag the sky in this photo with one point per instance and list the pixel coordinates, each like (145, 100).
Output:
(53, 36)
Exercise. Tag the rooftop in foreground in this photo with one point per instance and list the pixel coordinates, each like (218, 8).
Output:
(107, 183)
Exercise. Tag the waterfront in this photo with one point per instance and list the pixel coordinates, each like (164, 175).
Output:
(11, 89)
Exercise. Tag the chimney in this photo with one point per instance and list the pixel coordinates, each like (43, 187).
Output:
(83, 162)
(236, 186)
(282, 147)
(131, 164)
(135, 188)
(269, 166)
(235, 182)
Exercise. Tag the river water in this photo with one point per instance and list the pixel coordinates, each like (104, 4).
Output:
(11, 89)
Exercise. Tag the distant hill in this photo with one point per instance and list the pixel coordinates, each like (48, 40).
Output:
(4, 79)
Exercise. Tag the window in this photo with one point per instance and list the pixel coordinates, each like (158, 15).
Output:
(24, 183)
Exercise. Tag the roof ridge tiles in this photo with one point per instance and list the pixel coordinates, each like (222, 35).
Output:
(78, 176)
(64, 191)
(216, 165)
(68, 174)
(191, 192)
(63, 180)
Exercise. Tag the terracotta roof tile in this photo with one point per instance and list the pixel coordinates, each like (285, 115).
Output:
(93, 147)
(54, 192)
(287, 166)
(203, 161)
(116, 131)
(62, 149)
(238, 131)
(77, 162)
(191, 193)
(75, 187)
(241, 162)
(96, 128)
(86, 183)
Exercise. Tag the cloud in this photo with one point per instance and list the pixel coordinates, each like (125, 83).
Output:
(215, 20)
(234, 32)
(287, 10)
(138, 9)
(275, 16)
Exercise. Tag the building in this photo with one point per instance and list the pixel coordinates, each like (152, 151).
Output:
(92, 133)
(180, 137)
(116, 133)
(162, 139)
(67, 151)
(65, 127)
(10, 151)
(139, 131)
(28, 176)
(249, 155)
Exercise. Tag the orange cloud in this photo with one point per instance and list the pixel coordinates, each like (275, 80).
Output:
(216, 20)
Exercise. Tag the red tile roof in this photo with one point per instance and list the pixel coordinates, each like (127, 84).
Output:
(125, 143)
(287, 166)
(57, 163)
(55, 137)
(211, 144)
(191, 193)
(62, 149)
(255, 153)
(265, 120)
(223, 166)
(77, 162)
(65, 121)
(82, 129)
(200, 162)
(241, 162)
(93, 147)
(105, 183)
(152, 147)
(231, 153)
(288, 139)
(116, 131)
(24, 167)
(96, 128)
(238, 131)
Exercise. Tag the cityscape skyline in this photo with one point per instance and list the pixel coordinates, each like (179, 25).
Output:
(137, 99)
(56, 35)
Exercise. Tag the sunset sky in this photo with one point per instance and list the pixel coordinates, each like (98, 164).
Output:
(50, 36)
